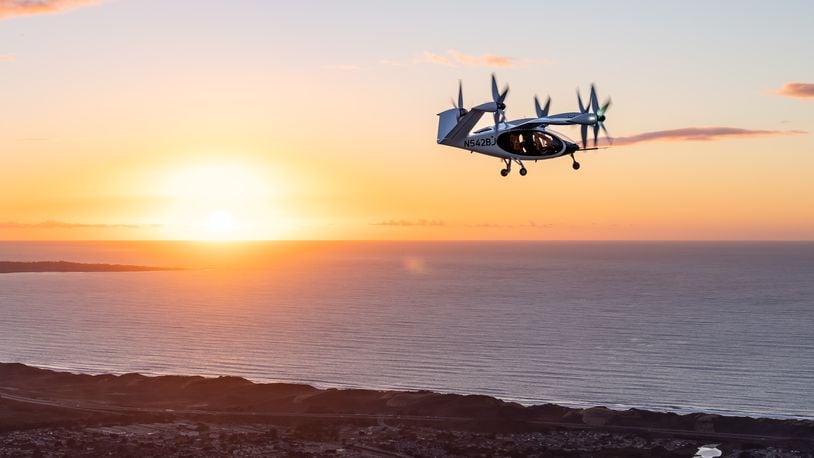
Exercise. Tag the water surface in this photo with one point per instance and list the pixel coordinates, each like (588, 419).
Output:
(716, 327)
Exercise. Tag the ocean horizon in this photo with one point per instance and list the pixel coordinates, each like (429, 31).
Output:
(719, 327)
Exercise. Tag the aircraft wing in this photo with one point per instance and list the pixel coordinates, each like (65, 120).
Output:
(530, 123)
(556, 120)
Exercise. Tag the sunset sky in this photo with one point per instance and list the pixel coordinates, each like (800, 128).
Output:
(250, 119)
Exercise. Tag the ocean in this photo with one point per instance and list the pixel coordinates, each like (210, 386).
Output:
(675, 326)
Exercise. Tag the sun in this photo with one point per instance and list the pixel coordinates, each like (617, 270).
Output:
(220, 201)
(221, 223)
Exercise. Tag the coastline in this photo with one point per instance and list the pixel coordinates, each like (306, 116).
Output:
(525, 402)
(40, 397)
(14, 267)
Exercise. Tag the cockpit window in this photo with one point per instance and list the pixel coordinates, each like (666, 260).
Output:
(530, 143)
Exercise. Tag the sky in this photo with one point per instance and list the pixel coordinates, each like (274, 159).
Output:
(249, 119)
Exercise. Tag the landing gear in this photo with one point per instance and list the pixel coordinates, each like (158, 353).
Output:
(508, 168)
(575, 165)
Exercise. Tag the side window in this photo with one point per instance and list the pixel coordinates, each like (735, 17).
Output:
(527, 143)
(515, 143)
(542, 142)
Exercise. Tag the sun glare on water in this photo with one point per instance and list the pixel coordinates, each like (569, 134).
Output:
(219, 201)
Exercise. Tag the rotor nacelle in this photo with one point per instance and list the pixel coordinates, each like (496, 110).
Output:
(490, 107)
(587, 119)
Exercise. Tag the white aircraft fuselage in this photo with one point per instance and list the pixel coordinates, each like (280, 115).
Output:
(519, 140)
(527, 139)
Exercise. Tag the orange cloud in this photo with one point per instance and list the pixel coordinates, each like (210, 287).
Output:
(486, 60)
(700, 134)
(530, 224)
(436, 59)
(10, 8)
(797, 90)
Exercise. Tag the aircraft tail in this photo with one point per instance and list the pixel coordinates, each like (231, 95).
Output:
(447, 120)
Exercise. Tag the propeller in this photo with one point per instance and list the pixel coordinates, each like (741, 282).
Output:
(460, 105)
(541, 112)
(582, 108)
(599, 111)
(583, 128)
(599, 117)
(498, 97)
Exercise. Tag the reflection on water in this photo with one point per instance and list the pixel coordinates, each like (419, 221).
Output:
(708, 451)
(721, 328)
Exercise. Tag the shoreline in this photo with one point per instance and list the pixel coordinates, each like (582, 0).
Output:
(323, 385)
(15, 267)
(54, 402)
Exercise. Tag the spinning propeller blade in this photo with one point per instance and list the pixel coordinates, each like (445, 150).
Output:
(610, 139)
(498, 98)
(541, 112)
(581, 106)
(460, 95)
(596, 132)
(460, 104)
(594, 102)
(599, 111)
(604, 108)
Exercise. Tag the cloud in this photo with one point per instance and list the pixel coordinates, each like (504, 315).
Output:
(701, 134)
(530, 224)
(409, 223)
(437, 223)
(7, 57)
(797, 90)
(65, 225)
(10, 8)
(486, 60)
(454, 57)
(436, 59)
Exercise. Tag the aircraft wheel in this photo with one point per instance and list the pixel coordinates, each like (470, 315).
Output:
(523, 172)
(504, 172)
(575, 166)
